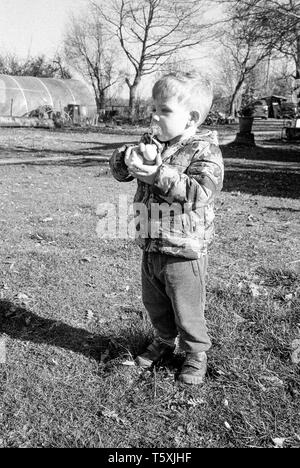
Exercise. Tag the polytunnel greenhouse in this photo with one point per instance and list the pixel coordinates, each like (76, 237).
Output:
(19, 95)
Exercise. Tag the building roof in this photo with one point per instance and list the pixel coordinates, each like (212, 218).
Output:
(274, 96)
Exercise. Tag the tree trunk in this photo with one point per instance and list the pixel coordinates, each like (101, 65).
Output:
(98, 104)
(296, 93)
(101, 98)
(232, 106)
(132, 97)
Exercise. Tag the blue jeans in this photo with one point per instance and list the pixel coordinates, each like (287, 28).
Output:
(173, 291)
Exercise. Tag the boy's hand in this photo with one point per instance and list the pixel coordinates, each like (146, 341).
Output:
(132, 157)
(138, 169)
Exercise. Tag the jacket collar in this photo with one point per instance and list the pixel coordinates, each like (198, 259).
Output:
(189, 133)
(172, 146)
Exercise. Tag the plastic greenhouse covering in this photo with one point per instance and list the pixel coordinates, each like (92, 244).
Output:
(20, 95)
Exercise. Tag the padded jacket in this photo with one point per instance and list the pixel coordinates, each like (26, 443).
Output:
(175, 215)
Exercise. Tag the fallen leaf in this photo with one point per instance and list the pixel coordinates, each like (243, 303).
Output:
(295, 356)
(104, 355)
(238, 318)
(12, 310)
(101, 320)
(295, 344)
(240, 285)
(23, 298)
(194, 402)
(54, 325)
(288, 297)
(177, 441)
(86, 259)
(89, 315)
(107, 413)
(273, 380)
(36, 237)
(278, 442)
(262, 387)
(101, 212)
(254, 289)
(128, 363)
(250, 221)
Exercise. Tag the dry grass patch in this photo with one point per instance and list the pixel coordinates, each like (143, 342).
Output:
(71, 314)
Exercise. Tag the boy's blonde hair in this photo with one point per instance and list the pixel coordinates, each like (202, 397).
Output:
(193, 89)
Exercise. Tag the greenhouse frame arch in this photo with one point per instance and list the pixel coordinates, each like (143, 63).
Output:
(20, 95)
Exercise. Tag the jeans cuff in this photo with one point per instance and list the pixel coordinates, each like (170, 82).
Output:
(167, 341)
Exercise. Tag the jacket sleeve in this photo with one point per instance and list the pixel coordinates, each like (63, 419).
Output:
(118, 167)
(202, 179)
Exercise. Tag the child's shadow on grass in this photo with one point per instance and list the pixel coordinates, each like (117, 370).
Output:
(21, 324)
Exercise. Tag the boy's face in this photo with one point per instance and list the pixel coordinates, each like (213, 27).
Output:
(172, 118)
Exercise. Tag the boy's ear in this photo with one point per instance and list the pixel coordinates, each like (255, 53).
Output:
(195, 117)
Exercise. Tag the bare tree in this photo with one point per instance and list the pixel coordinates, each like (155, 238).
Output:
(10, 64)
(151, 31)
(227, 80)
(39, 66)
(86, 49)
(246, 51)
(279, 23)
(62, 71)
(280, 79)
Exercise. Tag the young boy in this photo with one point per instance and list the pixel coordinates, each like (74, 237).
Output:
(178, 192)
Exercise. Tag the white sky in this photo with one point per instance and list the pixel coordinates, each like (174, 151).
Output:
(34, 26)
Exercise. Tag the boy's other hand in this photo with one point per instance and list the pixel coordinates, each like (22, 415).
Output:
(132, 157)
(138, 169)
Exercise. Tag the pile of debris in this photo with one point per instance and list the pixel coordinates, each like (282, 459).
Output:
(46, 117)
(44, 113)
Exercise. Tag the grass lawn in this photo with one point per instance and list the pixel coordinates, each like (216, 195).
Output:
(71, 311)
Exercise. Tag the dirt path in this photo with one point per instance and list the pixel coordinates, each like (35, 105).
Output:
(36, 146)
(12, 161)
